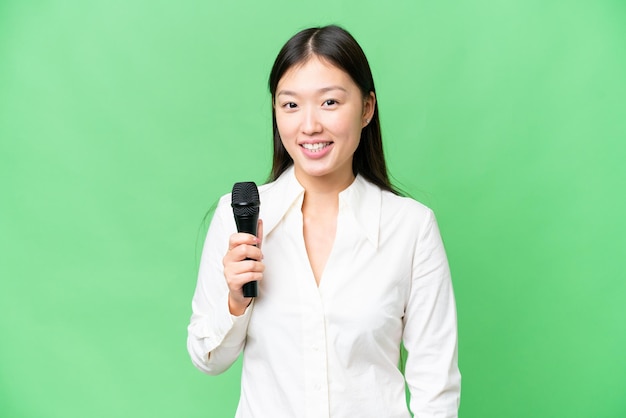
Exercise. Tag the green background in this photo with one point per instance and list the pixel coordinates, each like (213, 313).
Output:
(122, 122)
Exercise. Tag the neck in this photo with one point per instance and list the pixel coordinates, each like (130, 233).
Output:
(321, 193)
(328, 185)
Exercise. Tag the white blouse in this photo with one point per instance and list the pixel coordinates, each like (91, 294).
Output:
(333, 350)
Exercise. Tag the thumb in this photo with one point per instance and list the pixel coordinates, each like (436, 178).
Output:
(259, 232)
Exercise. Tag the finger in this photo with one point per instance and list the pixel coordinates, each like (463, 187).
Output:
(241, 238)
(236, 282)
(247, 276)
(245, 266)
(242, 252)
(238, 274)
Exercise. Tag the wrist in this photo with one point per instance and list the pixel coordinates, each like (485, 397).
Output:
(238, 307)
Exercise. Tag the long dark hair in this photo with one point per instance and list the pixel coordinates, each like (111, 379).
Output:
(338, 47)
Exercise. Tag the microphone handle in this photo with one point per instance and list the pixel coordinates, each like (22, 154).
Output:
(248, 224)
(250, 289)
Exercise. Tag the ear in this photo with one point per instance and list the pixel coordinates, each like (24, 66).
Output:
(369, 104)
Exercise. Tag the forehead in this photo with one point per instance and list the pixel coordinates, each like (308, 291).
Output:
(315, 73)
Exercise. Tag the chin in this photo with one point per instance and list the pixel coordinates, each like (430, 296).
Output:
(315, 172)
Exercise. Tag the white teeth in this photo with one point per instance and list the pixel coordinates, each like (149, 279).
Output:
(317, 146)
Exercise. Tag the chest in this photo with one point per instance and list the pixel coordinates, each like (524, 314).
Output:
(365, 287)
(318, 232)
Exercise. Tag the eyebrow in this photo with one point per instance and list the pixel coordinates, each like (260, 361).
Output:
(322, 90)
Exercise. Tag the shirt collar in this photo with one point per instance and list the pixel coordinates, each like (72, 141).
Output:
(277, 198)
(361, 200)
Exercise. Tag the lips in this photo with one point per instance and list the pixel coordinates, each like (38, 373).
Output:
(316, 150)
(315, 147)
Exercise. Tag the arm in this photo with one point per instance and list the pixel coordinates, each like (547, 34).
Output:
(215, 336)
(430, 330)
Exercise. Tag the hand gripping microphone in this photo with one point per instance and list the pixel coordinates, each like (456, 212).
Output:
(245, 203)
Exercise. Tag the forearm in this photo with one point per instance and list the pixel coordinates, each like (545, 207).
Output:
(214, 350)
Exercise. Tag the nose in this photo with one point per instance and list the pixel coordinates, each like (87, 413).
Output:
(310, 123)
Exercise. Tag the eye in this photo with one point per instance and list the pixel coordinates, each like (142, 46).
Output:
(330, 102)
(290, 105)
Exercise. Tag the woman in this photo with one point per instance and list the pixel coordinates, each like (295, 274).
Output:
(347, 269)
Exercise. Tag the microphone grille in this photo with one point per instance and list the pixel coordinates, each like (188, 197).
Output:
(245, 199)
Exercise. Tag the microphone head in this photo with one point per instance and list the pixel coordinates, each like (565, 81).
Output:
(245, 199)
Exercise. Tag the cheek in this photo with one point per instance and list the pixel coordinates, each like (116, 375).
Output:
(287, 135)
(285, 127)
(347, 120)
(347, 127)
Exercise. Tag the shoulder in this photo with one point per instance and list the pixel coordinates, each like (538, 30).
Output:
(405, 217)
(224, 204)
(391, 215)
(403, 204)
(405, 209)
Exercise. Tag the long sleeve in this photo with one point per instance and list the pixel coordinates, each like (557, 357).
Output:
(430, 330)
(335, 346)
(215, 338)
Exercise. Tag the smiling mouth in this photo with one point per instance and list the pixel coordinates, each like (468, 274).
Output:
(318, 146)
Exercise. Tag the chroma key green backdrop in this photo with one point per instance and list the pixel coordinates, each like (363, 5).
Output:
(122, 122)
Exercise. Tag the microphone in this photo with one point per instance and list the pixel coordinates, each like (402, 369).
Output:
(245, 203)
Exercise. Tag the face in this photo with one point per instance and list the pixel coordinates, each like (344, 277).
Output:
(320, 113)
